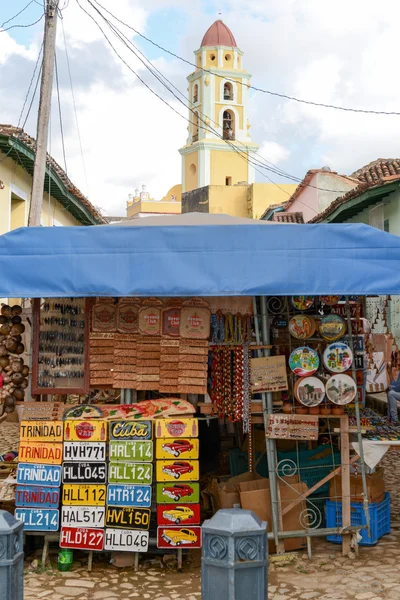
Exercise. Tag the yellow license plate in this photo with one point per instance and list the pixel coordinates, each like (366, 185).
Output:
(176, 428)
(40, 453)
(177, 470)
(85, 431)
(186, 448)
(84, 495)
(41, 431)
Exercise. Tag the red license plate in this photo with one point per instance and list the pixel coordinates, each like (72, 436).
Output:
(178, 537)
(80, 537)
(178, 514)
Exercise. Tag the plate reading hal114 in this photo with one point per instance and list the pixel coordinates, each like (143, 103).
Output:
(125, 540)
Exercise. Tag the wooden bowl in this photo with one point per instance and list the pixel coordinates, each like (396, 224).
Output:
(325, 410)
(301, 410)
(338, 410)
(313, 410)
(287, 408)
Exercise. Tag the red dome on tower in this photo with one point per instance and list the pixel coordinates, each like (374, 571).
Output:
(219, 35)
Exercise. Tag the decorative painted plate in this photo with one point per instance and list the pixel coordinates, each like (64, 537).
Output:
(332, 327)
(341, 389)
(302, 327)
(302, 302)
(310, 391)
(337, 357)
(304, 361)
(329, 300)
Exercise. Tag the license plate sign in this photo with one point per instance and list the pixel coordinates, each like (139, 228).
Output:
(76, 472)
(85, 451)
(176, 428)
(38, 519)
(131, 451)
(130, 473)
(179, 493)
(41, 431)
(177, 470)
(84, 495)
(130, 430)
(171, 537)
(182, 448)
(40, 453)
(85, 431)
(129, 541)
(37, 496)
(178, 514)
(45, 475)
(82, 516)
(129, 495)
(83, 538)
(128, 518)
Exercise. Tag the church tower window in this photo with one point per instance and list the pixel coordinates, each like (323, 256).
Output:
(228, 91)
(228, 125)
(195, 93)
(196, 127)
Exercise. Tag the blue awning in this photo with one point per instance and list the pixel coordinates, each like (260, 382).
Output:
(198, 255)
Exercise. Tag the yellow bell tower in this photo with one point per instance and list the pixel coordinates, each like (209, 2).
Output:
(219, 124)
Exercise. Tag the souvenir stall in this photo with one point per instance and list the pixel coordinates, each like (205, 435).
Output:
(155, 335)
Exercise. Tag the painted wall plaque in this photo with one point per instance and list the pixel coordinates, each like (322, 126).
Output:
(82, 538)
(84, 472)
(176, 428)
(302, 327)
(180, 493)
(150, 320)
(131, 451)
(310, 391)
(130, 430)
(126, 541)
(268, 374)
(179, 470)
(128, 317)
(337, 357)
(195, 322)
(187, 448)
(304, 361)
(302, 302)
(171, 537)
(84, 495)
(41, 431)
(82, 516)
(41, 453)
(127, 517)
(37, 496)
(129, 495)
(85, 451)
(178, 514)
(329, 300)
(129, 473)
(171, 321)
(85, 431)
(292, 427)
(38, 519)
(332, 327)
(33, 474)
(341, 389)
(104, 318)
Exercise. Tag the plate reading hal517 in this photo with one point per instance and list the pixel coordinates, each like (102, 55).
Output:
(80, 472)
(82, 516)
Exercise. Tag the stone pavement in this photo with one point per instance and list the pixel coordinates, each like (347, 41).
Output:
(374, 575)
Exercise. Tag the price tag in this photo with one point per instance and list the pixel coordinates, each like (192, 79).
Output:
(41, 453)
(83, 538)
(181, 448)
(85, 495)
(130, 473)
(129, 495)
(41, 431)
(85, 451)
(91, 472)
(131, 451)
(130, 430)
(37, 496)
(130, 541)
(46, 475)
(128, 517)
(182, 470)
(171, 537)
(38, 519)
(178, 492)
(82, 516)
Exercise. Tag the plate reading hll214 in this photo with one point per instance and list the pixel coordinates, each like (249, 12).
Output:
(38, 519)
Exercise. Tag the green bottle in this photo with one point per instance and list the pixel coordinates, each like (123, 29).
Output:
(65, 558)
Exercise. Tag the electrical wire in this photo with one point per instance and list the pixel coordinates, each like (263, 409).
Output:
(17, 15)
(29, 89)
(257, 89)
(23, 26)
(60, 114)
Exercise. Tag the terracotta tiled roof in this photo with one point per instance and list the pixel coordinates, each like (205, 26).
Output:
(27, 140)
(219, 34)
(288, 217)
(307, 180)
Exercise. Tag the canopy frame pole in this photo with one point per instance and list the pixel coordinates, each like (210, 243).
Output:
(267, 408)
(359, 436)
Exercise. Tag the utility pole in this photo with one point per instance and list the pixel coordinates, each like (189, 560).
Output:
(46, 87)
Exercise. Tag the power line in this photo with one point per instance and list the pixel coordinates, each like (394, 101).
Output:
(17, 15)
(60, 115)
(253, 87)
(23, 26)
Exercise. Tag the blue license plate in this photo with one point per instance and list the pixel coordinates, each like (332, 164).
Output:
(45, 475)
(37, 496)
(129, 495)
(38, 519)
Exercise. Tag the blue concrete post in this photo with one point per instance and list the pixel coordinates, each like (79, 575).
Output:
(11, 557)
(234, 564)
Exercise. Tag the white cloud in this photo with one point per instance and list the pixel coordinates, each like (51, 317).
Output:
(274, 152)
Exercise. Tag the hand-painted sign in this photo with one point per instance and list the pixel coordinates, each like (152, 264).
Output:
(82, 538)
(181, 448)
(171, 536)
(82, 516)
(85, 431)
(130, 473)
(41, 431)
(130, 451)
(178, 514)
(176, 428)
(37, 496)
(40, 453)
(182, 470)
(45, 475)
(130, 430)
(38, 519)
(129, 495)
(129, 541)
(181, 493)
(84, 495)
(127, 517)
(85, 451)
(82, 472)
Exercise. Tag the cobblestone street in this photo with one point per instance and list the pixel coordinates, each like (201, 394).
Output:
(328, 576)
